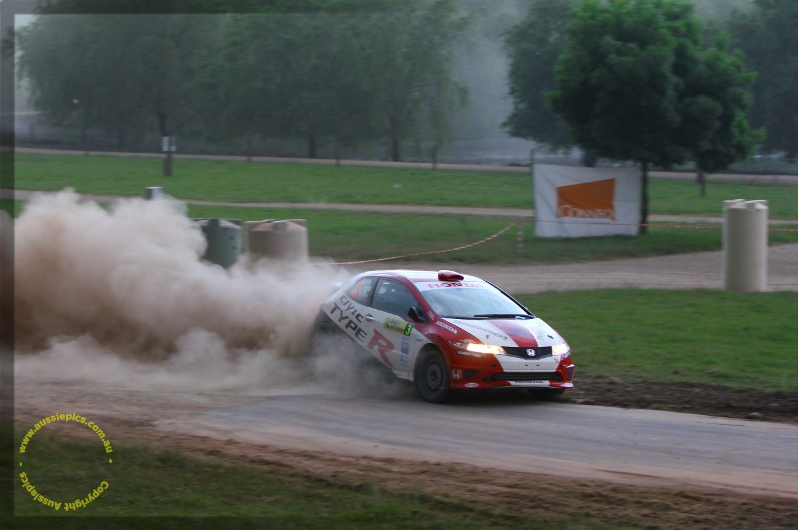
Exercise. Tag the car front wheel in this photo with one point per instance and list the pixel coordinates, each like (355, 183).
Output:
(432, 377)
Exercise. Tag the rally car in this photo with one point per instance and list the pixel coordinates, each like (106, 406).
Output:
(445, 331)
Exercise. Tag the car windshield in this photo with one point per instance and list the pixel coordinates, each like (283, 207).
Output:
(472, 300)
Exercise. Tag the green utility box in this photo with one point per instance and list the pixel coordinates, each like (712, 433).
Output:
(224, 241)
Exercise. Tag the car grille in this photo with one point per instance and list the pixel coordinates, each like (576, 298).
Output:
(540, 352)
(525, 376)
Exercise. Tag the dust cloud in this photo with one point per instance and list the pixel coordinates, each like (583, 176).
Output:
(120, 295)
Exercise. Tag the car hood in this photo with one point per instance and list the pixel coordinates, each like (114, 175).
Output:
(509, 332)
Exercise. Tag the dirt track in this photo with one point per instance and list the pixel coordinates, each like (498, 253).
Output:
(701, 270)
(134, 414)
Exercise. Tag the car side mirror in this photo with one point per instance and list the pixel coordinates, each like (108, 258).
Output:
(416, 314)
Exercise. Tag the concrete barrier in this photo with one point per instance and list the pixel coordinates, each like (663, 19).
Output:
(745, 245)
(277, 239)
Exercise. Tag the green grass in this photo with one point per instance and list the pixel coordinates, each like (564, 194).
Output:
(745, 340)
(145, 481)
(351, 236)
(234, 181)
(346, 236)
(681, 197)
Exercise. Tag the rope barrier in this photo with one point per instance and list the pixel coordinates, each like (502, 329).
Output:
(494, 236)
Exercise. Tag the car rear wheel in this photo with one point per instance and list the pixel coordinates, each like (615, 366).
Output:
(432, 377)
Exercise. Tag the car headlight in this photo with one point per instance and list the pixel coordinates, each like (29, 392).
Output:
(560, 349)
(477, 349)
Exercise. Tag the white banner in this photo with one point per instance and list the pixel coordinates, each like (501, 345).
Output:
(586, 201)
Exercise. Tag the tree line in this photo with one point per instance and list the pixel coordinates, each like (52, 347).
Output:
(744, 66)
(339, 72)
(644, 80)
(641, 80)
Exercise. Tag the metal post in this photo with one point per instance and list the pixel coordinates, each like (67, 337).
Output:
(532, 155)
(153, 192)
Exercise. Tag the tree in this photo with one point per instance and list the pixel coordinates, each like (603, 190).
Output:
(634, 84)
(533, 46)
(340, 70)
(58, 81)
(117, 72)
(292, 75)
(410, 56)
(769, 39)
(722, 97)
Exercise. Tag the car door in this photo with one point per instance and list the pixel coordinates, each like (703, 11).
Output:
(393, 336)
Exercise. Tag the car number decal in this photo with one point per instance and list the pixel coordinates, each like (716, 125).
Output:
(397, 326)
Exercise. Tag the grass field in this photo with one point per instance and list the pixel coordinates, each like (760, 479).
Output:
(231, 181)
(161, 482)
(745, 340)
(348, 236)
(351, 236)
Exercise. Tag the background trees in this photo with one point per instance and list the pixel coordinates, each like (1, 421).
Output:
(117, 73)
(767, 34)
(332, 75)
(635, 84)
(533, 46)
(339, 71)
(410, 66)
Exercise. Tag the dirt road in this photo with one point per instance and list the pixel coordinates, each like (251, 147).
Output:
(701, 270)
(712, 475)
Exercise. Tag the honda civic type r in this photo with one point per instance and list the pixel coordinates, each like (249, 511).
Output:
(444, 331)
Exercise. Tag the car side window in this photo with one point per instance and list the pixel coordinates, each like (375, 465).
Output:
(393, 297)
(360, 291)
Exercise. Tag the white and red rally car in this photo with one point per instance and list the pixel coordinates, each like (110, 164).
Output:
(445, 330)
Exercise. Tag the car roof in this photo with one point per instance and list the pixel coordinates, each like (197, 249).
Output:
(416, 275)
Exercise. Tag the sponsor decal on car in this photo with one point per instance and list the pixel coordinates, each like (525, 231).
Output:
(398, 326)
(404, 352)
(348, 317)
(528, 383)
(27, 481)
(446, 326)
(490, 332)
(383, 346)
(445, 285)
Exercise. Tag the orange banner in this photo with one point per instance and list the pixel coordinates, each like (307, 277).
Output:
(587, 200)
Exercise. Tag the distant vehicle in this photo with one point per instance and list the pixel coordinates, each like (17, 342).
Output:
(444, 331)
